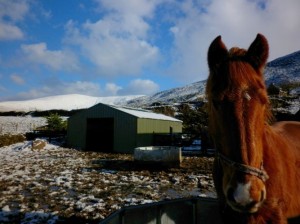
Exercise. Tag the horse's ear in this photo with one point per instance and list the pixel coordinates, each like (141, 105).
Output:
(258, 52)
(217, 52)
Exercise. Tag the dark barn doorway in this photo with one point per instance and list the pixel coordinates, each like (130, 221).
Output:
(100, 134)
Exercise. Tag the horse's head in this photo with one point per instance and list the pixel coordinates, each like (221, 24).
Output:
(238, 106)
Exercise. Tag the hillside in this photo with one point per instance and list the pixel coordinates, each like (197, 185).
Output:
(284, 70)
(186, 93)
(62, 102)
(279, 71)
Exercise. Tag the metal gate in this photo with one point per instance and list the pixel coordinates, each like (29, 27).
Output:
(185, 211)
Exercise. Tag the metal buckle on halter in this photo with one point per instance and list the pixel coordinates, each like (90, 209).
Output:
(258, 172)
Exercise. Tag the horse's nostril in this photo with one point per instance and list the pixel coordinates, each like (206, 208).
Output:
(262, 195)
(230, 194)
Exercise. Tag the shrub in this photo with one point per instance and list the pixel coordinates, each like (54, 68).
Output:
(273, 89)
(166, 110)
(194, 120)
(56, 123)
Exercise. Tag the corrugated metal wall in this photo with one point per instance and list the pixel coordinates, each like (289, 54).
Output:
(158, 126)
(76, 130)
(147, 127)
(124, 127)
(129, 131)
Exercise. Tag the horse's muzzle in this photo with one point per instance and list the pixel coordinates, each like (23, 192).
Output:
(243, 199)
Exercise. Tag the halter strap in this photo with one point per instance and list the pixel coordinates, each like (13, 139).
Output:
(260, 173)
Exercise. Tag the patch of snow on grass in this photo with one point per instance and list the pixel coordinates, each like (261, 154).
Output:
(55, 183)
(20, 124)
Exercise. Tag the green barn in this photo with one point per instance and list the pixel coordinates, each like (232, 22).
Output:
(107, 128)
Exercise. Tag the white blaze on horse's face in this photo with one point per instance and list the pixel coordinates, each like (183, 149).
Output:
(247, 96)
(241, 195)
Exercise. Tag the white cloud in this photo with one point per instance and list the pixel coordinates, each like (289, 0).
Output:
(10, 32)
(117, 44)
(143, 8)
(61, 88)
(12, 12)
(111, 89)
(133, 37)
(17, 79)
(140, 87)
(131, 14)
(238, 21)
(80, 87)
(58, 87)
(57, 60)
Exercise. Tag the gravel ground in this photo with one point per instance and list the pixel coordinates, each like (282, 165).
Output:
(55, 184)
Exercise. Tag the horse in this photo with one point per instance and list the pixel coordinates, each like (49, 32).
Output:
(257, 160)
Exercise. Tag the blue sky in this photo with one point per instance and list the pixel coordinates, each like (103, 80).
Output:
(128, 47)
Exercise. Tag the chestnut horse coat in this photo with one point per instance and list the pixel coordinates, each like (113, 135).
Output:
(257, 167)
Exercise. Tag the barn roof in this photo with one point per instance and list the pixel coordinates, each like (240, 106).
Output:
(140, 113)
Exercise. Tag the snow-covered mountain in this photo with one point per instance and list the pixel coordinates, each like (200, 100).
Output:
(186, 93)
(282, 70)
(62, 102)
